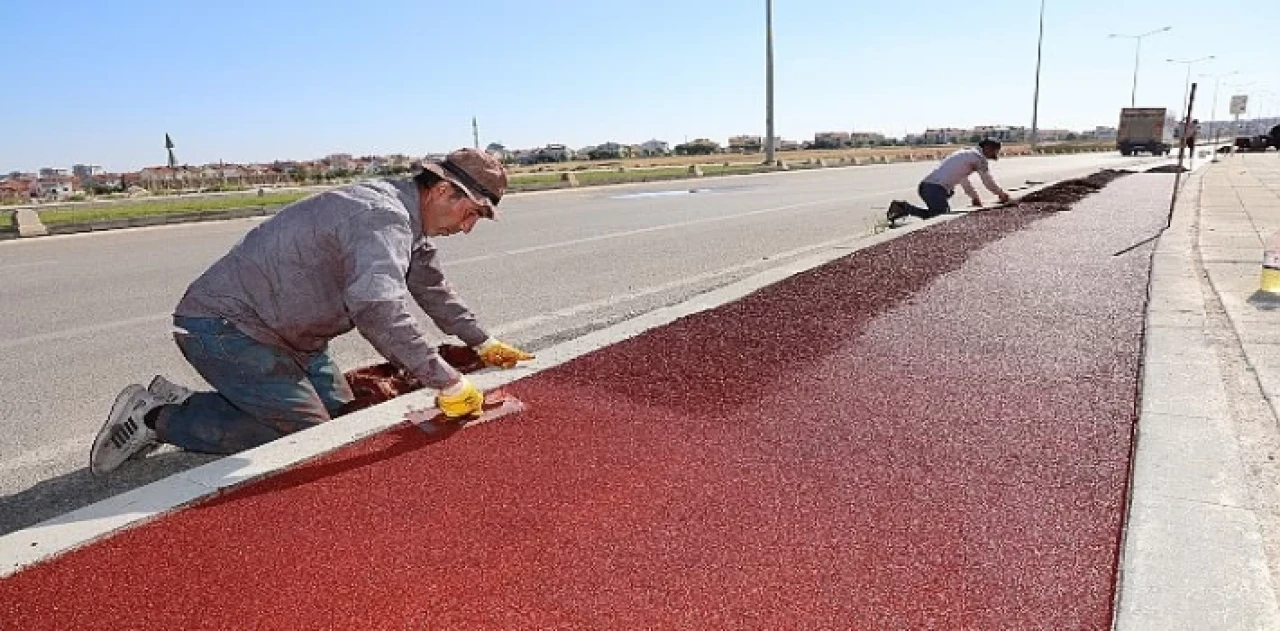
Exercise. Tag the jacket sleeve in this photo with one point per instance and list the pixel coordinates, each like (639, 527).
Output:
(375, 251)
(989, 182)
(438, 299)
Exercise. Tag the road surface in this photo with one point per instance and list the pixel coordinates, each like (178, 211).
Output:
(81, 316)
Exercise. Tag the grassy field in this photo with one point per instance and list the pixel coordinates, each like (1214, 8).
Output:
(6, 220)
(531, 178)
(749, 158)
(126, 210)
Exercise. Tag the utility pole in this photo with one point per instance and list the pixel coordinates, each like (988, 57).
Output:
(768, 82)
(1182, 146)
(1035, 104)
(1213, 110)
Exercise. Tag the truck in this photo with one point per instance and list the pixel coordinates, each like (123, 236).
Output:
(1144, 129)
(1259, 142)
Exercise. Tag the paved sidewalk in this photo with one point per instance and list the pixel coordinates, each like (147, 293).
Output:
(934, 432)
(1202, 548)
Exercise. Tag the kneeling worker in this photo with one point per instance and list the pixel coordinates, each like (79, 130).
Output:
(940, 185)
(257, 323)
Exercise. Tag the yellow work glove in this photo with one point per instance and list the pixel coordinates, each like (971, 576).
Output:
(496, 353)
(461, 400)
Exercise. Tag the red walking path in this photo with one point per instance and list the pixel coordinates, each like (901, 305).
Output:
(931, 433)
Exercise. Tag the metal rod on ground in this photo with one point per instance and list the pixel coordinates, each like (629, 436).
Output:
(1182, 148)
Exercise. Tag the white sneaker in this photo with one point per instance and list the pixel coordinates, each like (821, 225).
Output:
(125, 433)
(168, 392)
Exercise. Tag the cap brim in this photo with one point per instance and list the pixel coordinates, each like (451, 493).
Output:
(485, 204)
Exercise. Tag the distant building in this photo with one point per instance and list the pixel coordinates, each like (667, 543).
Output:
(831, 139)
(865, 138)
(56, 187)
(54, 172)
(102, 180)
(653, 148)
(1002, 133)
(1053, 135)
(746, 143)
(945, 135)
(609, 151)
(1101, 133)
(16, 190)
(498, 151)
(86, 171)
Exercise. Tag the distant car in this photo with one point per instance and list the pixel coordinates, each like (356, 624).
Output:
(1255, 143)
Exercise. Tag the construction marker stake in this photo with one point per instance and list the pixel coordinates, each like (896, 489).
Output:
(1268, 295)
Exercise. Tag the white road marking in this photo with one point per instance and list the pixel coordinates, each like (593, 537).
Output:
(84, 330)
(667, 226)
(26, 264)
(633, 294)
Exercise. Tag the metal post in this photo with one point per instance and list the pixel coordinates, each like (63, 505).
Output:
(1213, 110)
(1213, 116)
(1182, 148)
(1035, 104)
(1137, 52)
(768, 82)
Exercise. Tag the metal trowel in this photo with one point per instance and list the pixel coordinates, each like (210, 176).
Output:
(497, 404)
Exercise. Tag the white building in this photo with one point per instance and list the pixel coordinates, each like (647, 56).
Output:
(56, 187)
(654, 148)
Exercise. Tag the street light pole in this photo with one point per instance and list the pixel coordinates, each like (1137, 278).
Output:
(1035, 104)
(1137, 50)
(768, 82)
(1213, 110)
(1186, 91)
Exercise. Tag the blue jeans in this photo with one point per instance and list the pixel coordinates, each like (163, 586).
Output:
(262, 392)
(935, 197)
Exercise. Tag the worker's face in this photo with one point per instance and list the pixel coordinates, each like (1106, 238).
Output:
(990, 152)
(447, 210)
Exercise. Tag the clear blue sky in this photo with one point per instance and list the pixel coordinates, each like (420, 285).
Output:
(102, 82)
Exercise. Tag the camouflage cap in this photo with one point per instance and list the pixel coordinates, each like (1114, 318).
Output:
(480, 175)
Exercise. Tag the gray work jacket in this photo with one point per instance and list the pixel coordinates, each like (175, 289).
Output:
(347, 258)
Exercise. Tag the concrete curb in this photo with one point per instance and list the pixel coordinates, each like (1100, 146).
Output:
(1192, 554)
(158, 220)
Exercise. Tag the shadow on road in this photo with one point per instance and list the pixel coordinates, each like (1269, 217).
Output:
(78, 489)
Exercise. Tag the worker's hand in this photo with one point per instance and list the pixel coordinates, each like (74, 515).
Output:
(1005, 199)
(496, 353)
(975, 200)
(461, 399)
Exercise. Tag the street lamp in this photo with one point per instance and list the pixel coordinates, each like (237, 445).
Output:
(1137, 49)
(1186, 91)
(768, 81)
(1035, 103)
(1213, 114)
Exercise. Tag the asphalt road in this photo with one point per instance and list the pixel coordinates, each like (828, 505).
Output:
(82, 316)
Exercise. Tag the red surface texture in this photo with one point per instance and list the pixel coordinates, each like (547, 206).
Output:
(917, 436)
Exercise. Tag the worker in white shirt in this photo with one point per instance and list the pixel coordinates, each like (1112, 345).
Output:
(940, 185)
